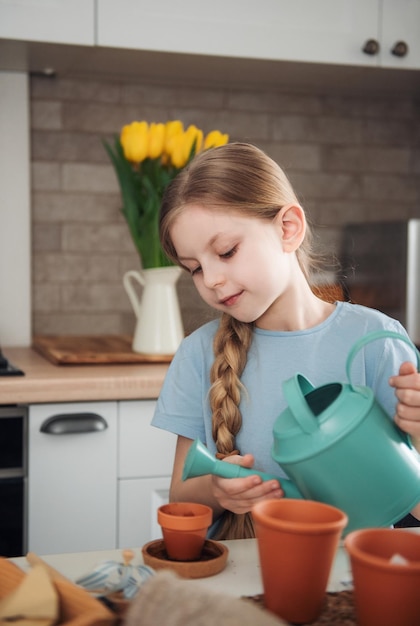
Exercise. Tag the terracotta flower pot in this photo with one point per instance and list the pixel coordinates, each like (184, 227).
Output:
(297, 542)
(184, 529)
(386, 575)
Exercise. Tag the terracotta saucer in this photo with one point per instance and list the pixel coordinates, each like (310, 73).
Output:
(212, 561)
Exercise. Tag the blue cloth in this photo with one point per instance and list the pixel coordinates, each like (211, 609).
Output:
(319, 353)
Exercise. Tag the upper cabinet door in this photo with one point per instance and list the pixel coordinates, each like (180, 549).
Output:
(325, 31)
(400, 34)
(53, 21)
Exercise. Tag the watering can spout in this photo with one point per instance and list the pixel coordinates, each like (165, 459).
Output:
(290, 490)
(200, 462)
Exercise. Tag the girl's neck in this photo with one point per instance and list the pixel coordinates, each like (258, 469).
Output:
(298, 309)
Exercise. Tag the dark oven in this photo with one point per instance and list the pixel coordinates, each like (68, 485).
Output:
(13, 480)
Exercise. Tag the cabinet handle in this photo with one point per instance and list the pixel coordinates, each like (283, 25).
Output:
(73, 423)
(371, 47)
(400, 49)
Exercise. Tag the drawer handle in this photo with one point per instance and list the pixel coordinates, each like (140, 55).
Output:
(73, 423)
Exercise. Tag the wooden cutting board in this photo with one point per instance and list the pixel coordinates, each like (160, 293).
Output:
(93, 350)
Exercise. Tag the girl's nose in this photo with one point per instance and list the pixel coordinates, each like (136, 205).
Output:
(213, 278)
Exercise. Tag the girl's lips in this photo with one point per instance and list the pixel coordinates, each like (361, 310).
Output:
(230, 300)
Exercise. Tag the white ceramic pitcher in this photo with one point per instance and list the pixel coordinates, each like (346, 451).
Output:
(159, 329)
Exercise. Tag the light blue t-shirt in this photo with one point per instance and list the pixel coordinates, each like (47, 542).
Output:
(319, 353)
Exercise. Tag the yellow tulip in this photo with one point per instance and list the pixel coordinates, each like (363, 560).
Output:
(172, 128)
(176, 150)
(134, 141)
(215, 138)
(180, 145)
(193, 135)
(156, 140)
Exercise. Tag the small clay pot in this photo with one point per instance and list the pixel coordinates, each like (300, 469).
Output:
(385, 563)
(184, 529)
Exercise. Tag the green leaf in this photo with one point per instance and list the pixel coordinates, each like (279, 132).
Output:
(142, 188)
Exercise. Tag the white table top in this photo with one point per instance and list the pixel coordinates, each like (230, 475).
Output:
(241, 576)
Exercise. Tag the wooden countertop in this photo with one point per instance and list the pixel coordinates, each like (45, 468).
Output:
(45, 382)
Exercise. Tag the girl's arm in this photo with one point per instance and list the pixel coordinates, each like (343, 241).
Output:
(407, 417)
(407, 391)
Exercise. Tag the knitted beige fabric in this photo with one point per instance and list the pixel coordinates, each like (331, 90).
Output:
(167, 600)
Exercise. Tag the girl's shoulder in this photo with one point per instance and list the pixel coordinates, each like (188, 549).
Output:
(202, 335)
(198, 345)
(365, 318)
(358, 321)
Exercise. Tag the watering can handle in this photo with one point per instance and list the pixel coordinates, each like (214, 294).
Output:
(127, 280)
(294, 391)
(380, 334)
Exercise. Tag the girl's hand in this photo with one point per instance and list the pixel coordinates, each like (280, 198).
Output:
(407, 391)
(240, 494)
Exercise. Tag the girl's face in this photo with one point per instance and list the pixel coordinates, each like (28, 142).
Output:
(239, 264)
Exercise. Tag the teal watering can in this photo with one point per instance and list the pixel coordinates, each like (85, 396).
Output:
(338, 446)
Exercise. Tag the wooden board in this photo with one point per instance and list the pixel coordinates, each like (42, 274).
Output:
(93, 350)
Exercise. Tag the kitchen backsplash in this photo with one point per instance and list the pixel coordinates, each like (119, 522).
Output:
(349, 158)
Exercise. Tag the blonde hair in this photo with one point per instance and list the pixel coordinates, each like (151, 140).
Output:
(235, 177)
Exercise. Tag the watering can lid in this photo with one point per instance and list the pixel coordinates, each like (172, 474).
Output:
(316, 418)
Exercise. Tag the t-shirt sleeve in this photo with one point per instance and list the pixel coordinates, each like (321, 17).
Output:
(181, 403)
(391, 354)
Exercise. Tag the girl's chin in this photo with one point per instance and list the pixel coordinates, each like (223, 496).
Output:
(242, 317)
(247, 317)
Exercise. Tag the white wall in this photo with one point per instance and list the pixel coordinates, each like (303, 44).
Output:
(15, 248)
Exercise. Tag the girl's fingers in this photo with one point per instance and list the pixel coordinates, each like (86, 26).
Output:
(240, 494)
(407, 378)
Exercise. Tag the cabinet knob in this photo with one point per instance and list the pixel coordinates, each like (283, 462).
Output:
(400, 49)
(371, 47)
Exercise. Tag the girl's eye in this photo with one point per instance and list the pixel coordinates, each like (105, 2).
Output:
(230, 253)
(196, 270)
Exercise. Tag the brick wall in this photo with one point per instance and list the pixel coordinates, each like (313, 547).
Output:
(349, 158)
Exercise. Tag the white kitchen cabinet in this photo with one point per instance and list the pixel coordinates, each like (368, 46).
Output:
(400, 23)
(95, 490)
(304, 30)
(54, 21)
(325, 31)
(72, 487)
(145, 461)
(139, 499)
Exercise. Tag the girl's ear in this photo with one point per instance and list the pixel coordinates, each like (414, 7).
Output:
(291, 223)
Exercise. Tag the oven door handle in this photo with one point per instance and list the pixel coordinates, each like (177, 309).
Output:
(73, 423)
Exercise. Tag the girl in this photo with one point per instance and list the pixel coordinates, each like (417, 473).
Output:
(232, 219)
